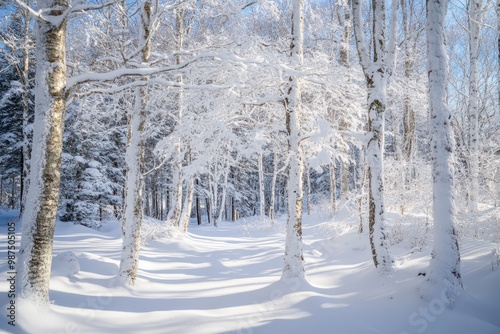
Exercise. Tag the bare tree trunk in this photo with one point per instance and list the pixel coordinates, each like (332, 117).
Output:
(233, 210)
(133, 213)
(207, 204)
(294, 257)
(147, 198)
(39, 217)
(443, 278)
(167, 202)
(198, 209)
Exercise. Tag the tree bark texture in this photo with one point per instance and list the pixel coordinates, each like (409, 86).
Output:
(39, 217)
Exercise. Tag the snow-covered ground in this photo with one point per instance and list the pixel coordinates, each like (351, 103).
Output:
(226, 280)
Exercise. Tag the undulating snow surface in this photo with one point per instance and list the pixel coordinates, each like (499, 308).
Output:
(226, 280)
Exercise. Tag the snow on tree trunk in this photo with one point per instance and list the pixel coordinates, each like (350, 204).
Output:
(224, 193)
(377, 72)
(294, 258)
(374, 156)
(175, 212)
(443, 276)
(474, 18)
(134, 159)
(273, 186)
(39, 217)
(262, 200)
(188, 205)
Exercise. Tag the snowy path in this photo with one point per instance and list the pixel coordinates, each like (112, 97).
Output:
(225, 280)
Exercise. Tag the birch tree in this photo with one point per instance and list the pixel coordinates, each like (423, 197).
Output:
(377, 66)
(443, 277)
(294, 258)
(476, 9)
(39, 217)
(175, 212)
(134, 158)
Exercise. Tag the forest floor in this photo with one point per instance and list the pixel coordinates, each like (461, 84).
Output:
(227, 280)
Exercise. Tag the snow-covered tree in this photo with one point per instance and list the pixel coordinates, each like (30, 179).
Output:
(39, 218)
(476, 11)
(294, 257)
(378, 65)
(443, 276)
(134, 159)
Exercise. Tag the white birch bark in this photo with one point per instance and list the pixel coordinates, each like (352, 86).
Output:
(175, 212)
(214, 193)
(294, 258)
(443, 276)
(377, 71)
(134, 159)
(273, 186)
(224, 193)
(262, 200)
(188, 204)
(475, 17)
(39, 217)
(188, 199)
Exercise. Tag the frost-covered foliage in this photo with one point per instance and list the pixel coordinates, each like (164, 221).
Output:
(255, 227)
(484, 226)
(153, 229)
(410, 231)
(235, 114)
(408, 193)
